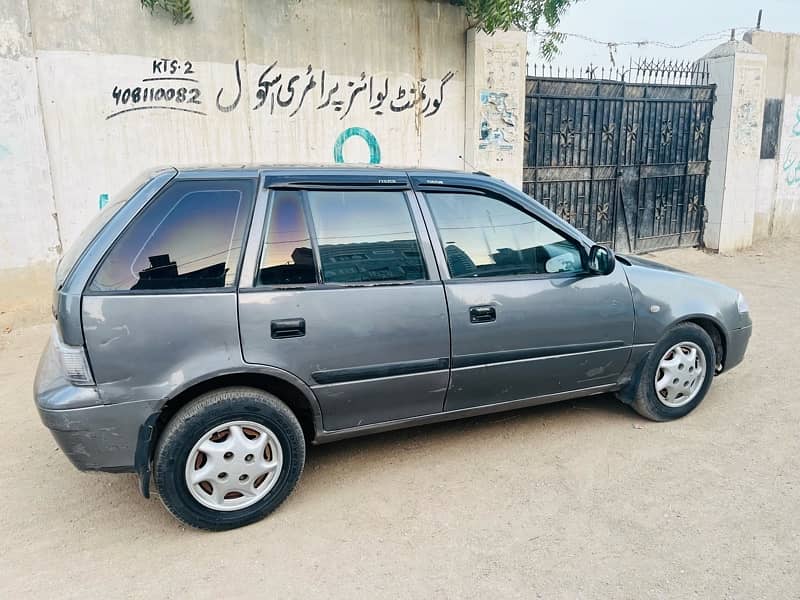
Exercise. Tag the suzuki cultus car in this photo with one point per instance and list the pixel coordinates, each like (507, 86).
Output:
(211, 322)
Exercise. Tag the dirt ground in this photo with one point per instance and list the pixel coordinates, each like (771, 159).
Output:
(582, 499)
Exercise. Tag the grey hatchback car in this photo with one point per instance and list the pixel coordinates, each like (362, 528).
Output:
(212, 321)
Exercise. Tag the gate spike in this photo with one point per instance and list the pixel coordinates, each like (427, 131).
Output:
(551, 70)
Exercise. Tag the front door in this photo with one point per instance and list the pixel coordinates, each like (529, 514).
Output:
(526, 318)
(347, 298)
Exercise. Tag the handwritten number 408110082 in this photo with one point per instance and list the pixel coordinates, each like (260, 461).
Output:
(140, 94)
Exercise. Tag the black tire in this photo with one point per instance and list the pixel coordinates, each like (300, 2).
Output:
(197, 418)
(646, 401)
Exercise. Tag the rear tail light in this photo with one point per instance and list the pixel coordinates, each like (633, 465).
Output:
(74, 362)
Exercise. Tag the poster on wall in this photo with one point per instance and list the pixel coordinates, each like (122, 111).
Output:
(498, 122)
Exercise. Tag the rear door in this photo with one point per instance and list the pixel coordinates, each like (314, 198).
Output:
(527, 319)
(345, 295)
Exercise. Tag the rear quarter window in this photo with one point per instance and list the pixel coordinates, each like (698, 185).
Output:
(189, 237)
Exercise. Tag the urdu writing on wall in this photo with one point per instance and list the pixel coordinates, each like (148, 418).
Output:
(175, 85)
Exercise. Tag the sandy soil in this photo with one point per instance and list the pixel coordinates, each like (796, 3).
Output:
(580, 499)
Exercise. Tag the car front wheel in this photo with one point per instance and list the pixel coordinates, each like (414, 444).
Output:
(228, 458)
(677, 374)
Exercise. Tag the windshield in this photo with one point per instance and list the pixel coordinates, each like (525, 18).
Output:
(70, 257)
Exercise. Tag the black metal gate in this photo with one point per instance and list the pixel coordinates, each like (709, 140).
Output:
(624, 157)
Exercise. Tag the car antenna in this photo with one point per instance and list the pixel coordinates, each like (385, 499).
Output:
(471, 166)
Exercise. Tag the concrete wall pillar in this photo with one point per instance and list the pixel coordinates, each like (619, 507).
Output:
(495, 103)
(739, 72)
(778, 205)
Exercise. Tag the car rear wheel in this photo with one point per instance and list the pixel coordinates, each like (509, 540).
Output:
(228, 458)
(677, 374)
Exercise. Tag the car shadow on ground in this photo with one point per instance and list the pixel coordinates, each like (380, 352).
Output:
(370, 451)
(356, 460)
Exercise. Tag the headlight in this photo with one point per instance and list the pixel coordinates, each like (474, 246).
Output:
(742, 305)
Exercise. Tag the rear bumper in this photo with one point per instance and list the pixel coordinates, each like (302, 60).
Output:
(737, 346)
(93, 436)
(101, 438)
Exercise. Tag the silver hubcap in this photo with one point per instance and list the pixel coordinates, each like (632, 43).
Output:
(234, 465)
(680, 374)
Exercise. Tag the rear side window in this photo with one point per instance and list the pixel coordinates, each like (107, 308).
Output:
(189, 237)
(365, 236)
(287, 257)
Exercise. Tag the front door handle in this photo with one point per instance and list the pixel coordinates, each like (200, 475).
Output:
(482, 314)
(287, 328)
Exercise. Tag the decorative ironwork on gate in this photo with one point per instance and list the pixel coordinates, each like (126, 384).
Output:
(621, 153)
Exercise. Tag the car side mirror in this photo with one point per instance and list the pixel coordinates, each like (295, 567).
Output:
(601, 260)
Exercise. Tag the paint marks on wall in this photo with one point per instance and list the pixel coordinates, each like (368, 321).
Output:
(5, 152)
(746, 127)
(174, 85)
(790, 155)
(771, 127)
(102, 200)
(785, 218)
(364, 134)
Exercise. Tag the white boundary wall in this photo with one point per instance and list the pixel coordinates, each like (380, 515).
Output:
(95, 94)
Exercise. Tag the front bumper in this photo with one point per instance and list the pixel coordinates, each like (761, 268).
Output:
(737, 346)
(94, 436)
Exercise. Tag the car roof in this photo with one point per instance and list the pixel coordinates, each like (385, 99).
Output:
(379, 175)
(252, 170)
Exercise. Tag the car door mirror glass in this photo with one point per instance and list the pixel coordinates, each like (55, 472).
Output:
(601, 260)
(568, 262)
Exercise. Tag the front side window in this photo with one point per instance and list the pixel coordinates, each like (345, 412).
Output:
(365, 236)
(486, 237)
(189, 237)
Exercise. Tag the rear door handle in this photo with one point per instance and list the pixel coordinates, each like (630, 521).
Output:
(287, 328)
(482, 314)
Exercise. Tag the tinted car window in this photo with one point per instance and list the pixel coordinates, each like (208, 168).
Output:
(486, 237)
(189, 237)
(95, 225)
(287, 257)
(365, 236)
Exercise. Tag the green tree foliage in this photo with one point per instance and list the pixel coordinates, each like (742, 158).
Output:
(179, 10)
(528, 15)
(485, 15)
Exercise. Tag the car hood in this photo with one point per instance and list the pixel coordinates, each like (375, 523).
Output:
(638, 261)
